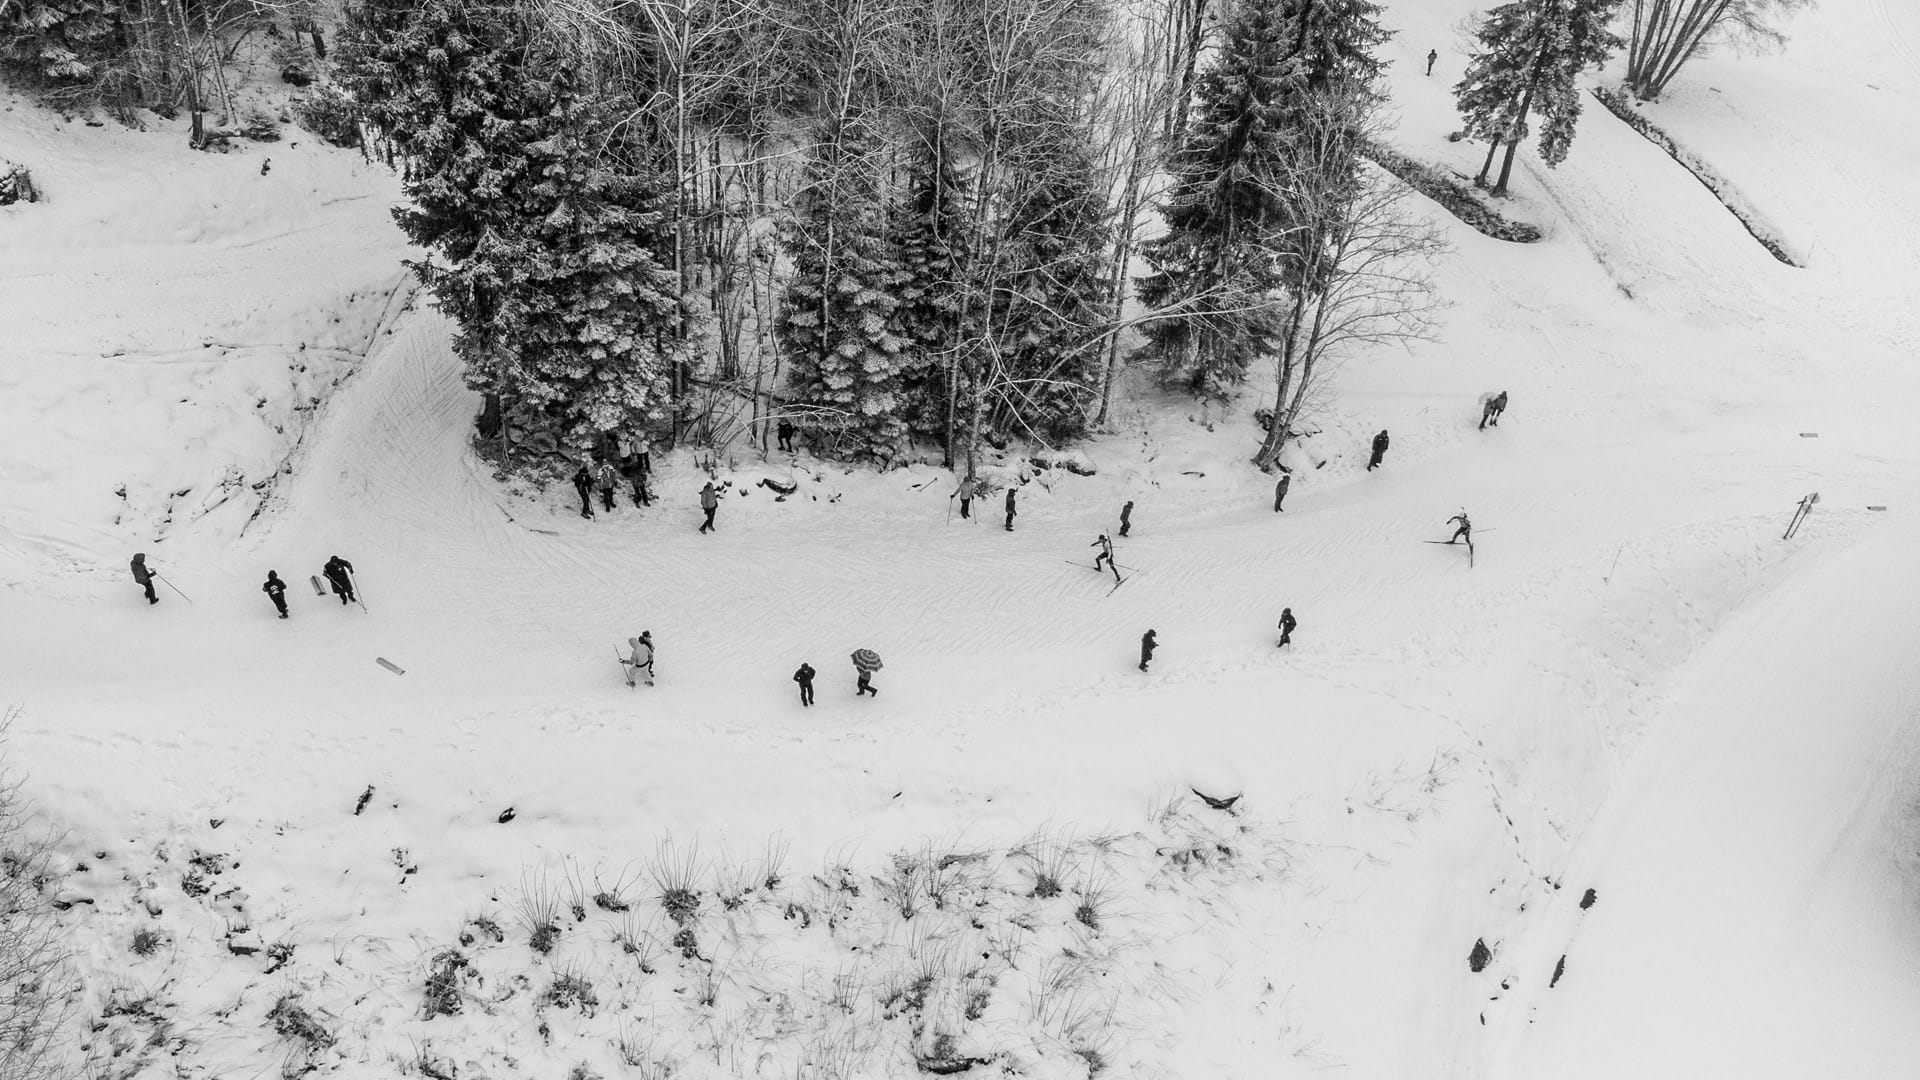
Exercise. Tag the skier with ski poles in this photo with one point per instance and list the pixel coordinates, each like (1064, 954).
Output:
(143, 575)
(276, 591)
(642, 659)
(1465, 531)
(339, 575)
(583, 483)
(967, 490)
(1106, 554)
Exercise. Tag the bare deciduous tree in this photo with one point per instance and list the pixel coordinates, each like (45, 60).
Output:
(1668, 33)
(35, 982)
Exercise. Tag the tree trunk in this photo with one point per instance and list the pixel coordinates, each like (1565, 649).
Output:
(1486, 166)
(1513, 144)
(1276, 439)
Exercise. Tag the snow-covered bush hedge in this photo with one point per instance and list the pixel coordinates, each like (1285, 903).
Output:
(16, 184)
(1459, 199)
(1756, 223)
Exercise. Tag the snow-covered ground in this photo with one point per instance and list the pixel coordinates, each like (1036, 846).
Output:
(1638, 688)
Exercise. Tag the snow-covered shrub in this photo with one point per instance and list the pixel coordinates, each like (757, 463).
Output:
(33, 950)
(330, 114)
(16, 184)
(1457, 197)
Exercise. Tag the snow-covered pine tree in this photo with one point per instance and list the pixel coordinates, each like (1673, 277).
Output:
(924, 225)
(1056, 302)
(541, 212)
(68, 43)
(1529, 59)
(839, 326)
(1214, 273)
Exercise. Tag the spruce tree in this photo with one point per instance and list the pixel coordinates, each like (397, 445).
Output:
(839, 327)
(1056, 303)
(1530, 56)
(541, 211)
(1214, 273)
(925, 226)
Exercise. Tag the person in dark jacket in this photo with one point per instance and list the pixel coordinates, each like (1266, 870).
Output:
(786, 435)
(276, 591)
(1280, 490)
(583, 483)
(1126, 517)
(144, 576)
(1147, 645)
(641, 496)
(965, 494)
(1379, 450)
(339, 574)
(1105, 555)
(1011, 512)
(865, 683)
(1287, 623)
(710, 502)
(805, 678)
(609, 480)
(1432, 55)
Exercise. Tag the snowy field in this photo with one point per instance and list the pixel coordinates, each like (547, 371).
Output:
(1638, 688)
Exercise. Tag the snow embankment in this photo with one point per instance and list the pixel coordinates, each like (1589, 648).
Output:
(1758, 913)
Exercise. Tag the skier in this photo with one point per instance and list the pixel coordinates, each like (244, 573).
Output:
(1432, 55)
(1011, 512)
(609, 480)
(583, 483)
(642, 657)
(339, 574)
(710, 502)
(865, 685)
(965, 494)
(786, 435)
(1465, 531)
(1379, 450)
(1106, 553)
(1287, 623)
(1147, 645)
(1491, 406)
(1280, 490)
(144, 576)
(276, 591)
(805, 678)
(1126, 517)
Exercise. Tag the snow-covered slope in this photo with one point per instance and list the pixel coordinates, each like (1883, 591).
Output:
(1638, 688)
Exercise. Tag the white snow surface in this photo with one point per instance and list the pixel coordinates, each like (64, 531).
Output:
(1638, 688)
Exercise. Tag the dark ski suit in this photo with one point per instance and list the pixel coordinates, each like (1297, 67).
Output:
(1379, 451)
(276, 591)
(786, 436)
(1287, 623)
(1011, 512)
(336, 572)
(1106, 554)
(805, 678)
(1126, 517)
(1147, 645)
(1465, 531)
(583, 483)
(1280, 490)
(144, 577)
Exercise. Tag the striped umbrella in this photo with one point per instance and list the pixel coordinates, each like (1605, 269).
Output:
(866, 660)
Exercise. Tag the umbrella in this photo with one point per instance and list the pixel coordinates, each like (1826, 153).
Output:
(866, 660)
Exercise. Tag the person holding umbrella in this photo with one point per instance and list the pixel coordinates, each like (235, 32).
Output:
(866, 662)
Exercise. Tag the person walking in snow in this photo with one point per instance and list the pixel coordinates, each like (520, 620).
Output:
(339, 575)
(786, 435)
(583, 483)
(1491, 406)
(805, 678)
(865, 683)
(1147, 645)
(1465, 531)
(1126, 517)
(644, 456)
(1287, 623)
(1106, 553)
(1379, 450)
(965, 494)
(1011, 512)
(1280, 490)
(609, 480)
(276, 591)
(710, 502)
(143, 575)
(642, 659)
(641, 496)
(1432, 55)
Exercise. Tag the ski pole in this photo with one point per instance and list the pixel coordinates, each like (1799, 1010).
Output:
(175, 588)
(355, 582)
